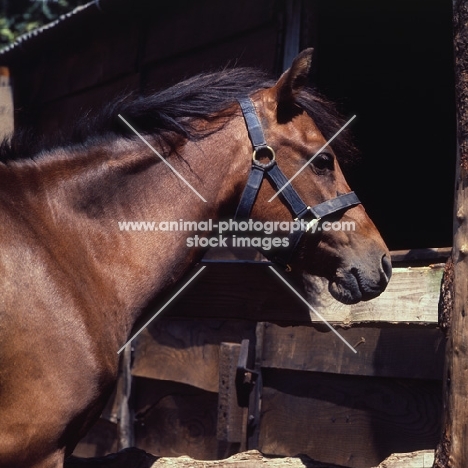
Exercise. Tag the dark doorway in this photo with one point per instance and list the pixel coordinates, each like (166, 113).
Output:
(391, 64)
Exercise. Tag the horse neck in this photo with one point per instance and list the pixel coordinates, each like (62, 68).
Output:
(75, 206)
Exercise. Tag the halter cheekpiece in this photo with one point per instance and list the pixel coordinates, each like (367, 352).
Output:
(270, 170)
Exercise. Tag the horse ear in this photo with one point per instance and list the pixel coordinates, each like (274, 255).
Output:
(293, 80)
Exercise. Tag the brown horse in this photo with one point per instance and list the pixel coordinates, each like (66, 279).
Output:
(74, 284)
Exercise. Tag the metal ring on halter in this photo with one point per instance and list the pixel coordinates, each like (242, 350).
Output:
(261, 149)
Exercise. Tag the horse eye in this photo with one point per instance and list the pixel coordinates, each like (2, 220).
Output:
(323, 161)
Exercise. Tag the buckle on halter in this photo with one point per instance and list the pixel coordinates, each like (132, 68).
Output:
(263, 152)
(310, 224)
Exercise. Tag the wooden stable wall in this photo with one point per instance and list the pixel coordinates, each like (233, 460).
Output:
(318, 397)
(135, 46)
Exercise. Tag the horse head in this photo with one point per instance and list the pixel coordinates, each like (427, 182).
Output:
(344, 246)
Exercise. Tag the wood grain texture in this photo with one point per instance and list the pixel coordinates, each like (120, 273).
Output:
(191, 350)
(352, 421)
(411, 296)
(186, 351)
(419, 459)
(251, 291)
(231, 416)
(400, 352)
(7, 123)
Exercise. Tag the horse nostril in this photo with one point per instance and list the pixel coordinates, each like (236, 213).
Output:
(387, 267)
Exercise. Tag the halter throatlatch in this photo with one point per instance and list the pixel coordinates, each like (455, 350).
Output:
(270, 170)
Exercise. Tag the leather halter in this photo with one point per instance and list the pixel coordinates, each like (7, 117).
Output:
(270, 170)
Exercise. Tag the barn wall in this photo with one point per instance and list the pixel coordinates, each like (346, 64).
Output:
(103, 54)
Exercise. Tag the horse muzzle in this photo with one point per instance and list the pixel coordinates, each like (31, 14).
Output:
(358, 282)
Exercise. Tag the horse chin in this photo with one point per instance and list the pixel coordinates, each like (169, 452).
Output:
(351, 288)
(344, 293)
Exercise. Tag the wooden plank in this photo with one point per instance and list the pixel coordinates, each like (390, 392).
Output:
(191, 348)
(230, 426)
(415, 256)
(419, 459)
(347, 420)
(411, 297)
(410, 352)
(252, 292)
(400, 258)
(6, 104)
(62, 110)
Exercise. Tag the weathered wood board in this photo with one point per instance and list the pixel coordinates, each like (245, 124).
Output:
(390, 389)
(252, 291)
(192, 348)
(352, 421)
(186, 351)
(419, 459)
(231, 417)
(411, 296)
(400, 351)
(6, 104)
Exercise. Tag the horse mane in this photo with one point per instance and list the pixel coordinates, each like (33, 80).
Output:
(173, 111)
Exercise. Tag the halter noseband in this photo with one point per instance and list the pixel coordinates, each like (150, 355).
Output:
(273, 173)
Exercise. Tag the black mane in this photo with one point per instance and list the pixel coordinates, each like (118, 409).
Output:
(173, 111)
